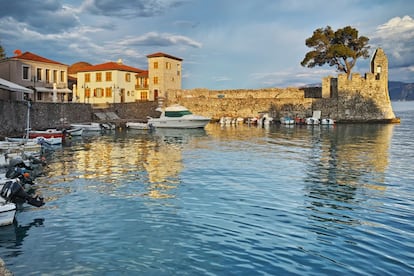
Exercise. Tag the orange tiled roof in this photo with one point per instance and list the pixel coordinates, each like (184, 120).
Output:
(144, 73)
(33, 57)
(110, 66)
(74, 68)
(159, 54)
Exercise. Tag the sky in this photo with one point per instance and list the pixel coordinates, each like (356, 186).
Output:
(224, 44)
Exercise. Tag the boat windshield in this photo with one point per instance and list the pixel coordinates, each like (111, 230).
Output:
(177, 113)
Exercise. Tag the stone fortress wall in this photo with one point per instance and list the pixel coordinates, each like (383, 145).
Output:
(358, 99)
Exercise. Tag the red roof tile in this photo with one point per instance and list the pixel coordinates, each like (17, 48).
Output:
(159, 54)
(33, 57)
(143, 74)
(110, 66)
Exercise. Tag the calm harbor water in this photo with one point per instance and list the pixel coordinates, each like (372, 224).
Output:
(224, 201)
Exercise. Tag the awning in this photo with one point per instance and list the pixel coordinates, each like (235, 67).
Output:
(11, 86)
(50, 90)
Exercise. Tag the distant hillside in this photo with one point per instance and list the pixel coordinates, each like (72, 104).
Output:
(401, 91)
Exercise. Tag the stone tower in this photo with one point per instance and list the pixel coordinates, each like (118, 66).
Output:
(379, 67)
(164, 73)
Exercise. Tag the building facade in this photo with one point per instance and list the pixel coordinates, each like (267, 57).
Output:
(373, 87)
(47, 78)
(111, 82)
(164, 73)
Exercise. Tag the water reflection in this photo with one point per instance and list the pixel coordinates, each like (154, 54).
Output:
(12, 236)
(150, 161)
(344, 166)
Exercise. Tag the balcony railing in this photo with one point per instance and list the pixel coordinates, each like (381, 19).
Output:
(141, 86)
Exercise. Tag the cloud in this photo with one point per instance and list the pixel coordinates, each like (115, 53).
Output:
(42, 16)
(130, 8)
(396, 37)
(157, 39)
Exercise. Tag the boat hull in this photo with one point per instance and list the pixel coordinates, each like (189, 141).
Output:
(7, 213)
(93, 126)
(178, 123)
(134, 125)
(50, 133)
(50, 141)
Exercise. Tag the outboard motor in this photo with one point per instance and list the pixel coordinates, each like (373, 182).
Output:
(19, 170)
(12, 191)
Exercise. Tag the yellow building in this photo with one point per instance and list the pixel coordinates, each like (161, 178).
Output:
(164, 72)
(111, 82)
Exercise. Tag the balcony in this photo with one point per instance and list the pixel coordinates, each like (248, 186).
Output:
(141, 86)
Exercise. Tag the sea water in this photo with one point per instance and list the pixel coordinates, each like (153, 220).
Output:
(229, 200)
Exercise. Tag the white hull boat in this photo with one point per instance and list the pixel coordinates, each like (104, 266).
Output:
(177, 116)
(327, 121)
(76, 131)
(39, 140)
(137, 125)
(93, 126)
(287, 121)
(7, 213)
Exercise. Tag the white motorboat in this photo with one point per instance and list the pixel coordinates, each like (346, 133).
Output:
(39, 140)
(19, 146)
(7, 213)
(138, 125)
(287, 120)
(93, 126)
(75, 131)
(327, 121)
(315, 119)
(177, 116)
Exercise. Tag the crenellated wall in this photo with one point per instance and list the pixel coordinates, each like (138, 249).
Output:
(358, 99)
(242, 103)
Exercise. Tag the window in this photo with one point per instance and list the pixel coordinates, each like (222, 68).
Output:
(47, 75)
(98, 92)
(128, 77)
(87, 77)
(87, 92)
(62, 76)
(54, 75)
(156, 65)
(155, 80)
(26, 73)
(168, 65)
(144, 96)
(108, 76)
(98, 76)
(108, 92)
(39, 74)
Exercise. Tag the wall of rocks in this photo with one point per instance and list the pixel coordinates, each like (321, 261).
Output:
(242, 103)
(349, 103)
(13, 114)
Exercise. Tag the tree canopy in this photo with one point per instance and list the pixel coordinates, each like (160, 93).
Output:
(341, 48)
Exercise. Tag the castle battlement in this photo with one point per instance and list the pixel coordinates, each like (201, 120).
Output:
(373, 86)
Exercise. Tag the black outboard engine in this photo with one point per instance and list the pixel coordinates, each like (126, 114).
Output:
(18, 169)
(12, 191)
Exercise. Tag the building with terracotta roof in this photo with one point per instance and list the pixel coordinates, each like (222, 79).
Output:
(115, 82)
(111, 82)
(47, 78)
(164, 72)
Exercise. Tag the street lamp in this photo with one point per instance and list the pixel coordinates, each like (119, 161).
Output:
(34, 79)
(116, 88)
(85, 87)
